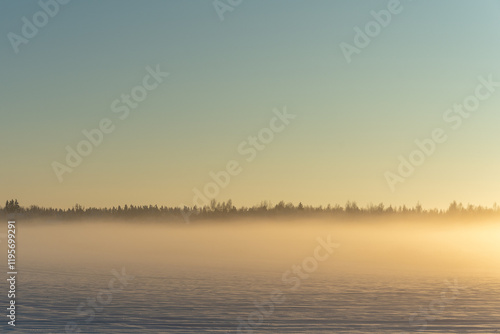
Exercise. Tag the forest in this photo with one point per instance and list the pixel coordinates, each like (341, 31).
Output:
(226, 209)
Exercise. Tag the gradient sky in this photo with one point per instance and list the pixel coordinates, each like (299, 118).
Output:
(226, 77)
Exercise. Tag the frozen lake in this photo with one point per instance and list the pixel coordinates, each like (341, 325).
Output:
(257, 278)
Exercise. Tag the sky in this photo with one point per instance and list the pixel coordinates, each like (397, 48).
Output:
(233, 67)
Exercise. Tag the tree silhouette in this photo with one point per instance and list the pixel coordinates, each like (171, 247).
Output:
(12, 206)
(222, 210)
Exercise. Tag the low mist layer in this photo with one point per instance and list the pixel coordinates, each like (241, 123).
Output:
(371, 247)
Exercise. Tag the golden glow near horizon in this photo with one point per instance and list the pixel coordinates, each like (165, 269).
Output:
(152, 113)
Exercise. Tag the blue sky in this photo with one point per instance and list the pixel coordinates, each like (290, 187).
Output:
(352, 121)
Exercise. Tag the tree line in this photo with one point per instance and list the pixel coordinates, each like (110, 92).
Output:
(227, 209)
